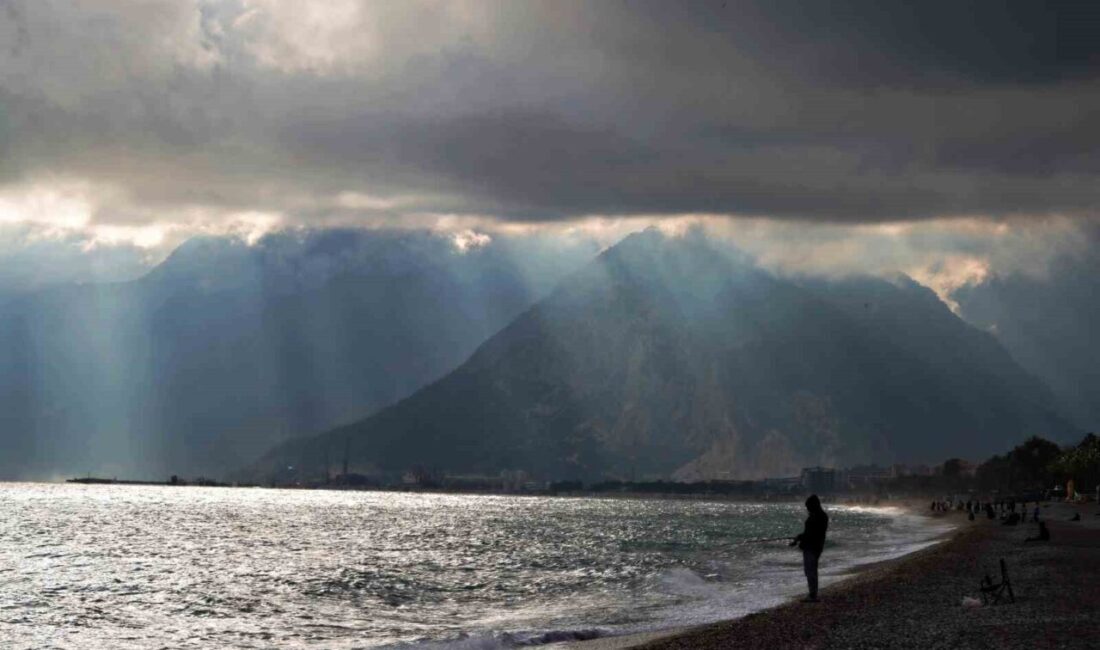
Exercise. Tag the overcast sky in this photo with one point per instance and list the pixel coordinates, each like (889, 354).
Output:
(956, 128)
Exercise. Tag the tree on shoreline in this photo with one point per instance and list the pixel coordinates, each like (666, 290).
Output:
(1080, 463)
(1027, 466)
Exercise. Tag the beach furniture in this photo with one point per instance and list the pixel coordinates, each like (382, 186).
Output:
(993, 592)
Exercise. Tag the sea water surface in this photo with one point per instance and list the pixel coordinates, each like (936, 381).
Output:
(106, 566)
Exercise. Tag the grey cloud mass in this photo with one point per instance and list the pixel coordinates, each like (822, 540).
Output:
(538, 111)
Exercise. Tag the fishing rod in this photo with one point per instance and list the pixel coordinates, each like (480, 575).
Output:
(768, 539)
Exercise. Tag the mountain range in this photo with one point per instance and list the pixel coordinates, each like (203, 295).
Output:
(228, 348)
(1050, 322)
(675, 357)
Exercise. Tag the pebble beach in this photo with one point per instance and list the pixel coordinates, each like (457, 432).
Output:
(920, 600)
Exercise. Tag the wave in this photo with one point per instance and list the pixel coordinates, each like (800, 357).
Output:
(506, 640)
(770, 577)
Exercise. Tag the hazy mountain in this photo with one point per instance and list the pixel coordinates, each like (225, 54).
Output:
(227, 348)
(670, 357)
(1051, 325)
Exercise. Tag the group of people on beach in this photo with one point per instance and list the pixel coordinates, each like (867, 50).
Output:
(1010, 517)
(811, 541)
(1003, 509)
(1006, 512)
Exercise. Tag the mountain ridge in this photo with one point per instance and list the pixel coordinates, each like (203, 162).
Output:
(669, 357)
(228, 347)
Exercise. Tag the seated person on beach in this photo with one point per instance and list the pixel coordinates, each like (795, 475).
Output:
(1043, 536)
(812, 542)
(1012, 519)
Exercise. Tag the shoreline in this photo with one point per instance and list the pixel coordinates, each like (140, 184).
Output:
(843, 498)
(850, 575)
(916, 600)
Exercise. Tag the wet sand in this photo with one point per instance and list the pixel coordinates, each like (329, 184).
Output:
(916, 601)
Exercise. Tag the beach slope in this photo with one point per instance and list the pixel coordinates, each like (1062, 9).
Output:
(917, 601)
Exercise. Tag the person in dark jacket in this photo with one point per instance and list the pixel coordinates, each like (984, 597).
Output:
(812, 542)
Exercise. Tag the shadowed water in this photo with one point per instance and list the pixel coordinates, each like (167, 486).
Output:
(156, 567)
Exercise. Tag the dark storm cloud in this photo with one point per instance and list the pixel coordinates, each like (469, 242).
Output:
(535, 165)
(837, 111)
(940, 42)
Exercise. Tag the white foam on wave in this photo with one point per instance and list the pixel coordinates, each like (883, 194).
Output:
(881, 510)
(770, 578)
(505, 640)
(904, 532)
(777, 576)
(708, 601)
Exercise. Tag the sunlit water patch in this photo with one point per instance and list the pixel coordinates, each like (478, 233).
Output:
(156, 567)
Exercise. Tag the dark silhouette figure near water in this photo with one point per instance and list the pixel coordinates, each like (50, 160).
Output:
(812, 541)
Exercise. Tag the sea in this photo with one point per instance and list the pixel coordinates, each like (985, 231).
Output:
(113, 566)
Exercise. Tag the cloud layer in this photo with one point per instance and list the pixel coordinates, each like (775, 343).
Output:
(839, 111)
(134, 124)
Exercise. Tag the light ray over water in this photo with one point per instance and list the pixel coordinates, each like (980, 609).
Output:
(153, 567)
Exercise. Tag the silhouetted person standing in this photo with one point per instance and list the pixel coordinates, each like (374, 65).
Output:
(812, 542)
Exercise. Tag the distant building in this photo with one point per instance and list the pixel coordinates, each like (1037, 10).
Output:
(473, 482)
(899, 470)
(956, 467)
(514, 480)
(422, 477)
(819, 480)
(920, 470)
(864, 476)
(782, 485)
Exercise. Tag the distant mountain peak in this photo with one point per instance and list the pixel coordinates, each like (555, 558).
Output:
(228, 347)
(672, 356)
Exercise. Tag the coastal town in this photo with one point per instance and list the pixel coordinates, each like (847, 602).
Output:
(1037, 470)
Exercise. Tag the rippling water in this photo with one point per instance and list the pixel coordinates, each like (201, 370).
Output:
(155, 567)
